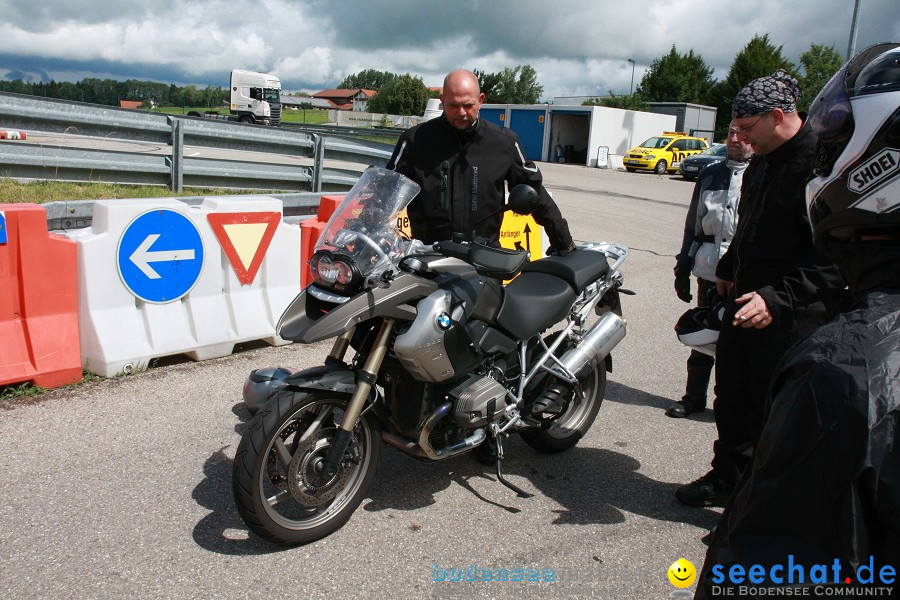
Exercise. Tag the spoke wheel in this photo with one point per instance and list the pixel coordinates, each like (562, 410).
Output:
(276, 477)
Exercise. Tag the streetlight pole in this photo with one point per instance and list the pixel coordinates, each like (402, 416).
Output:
(631, 90)
(851, 46)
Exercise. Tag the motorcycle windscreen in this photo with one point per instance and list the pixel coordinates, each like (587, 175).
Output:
(365, 225)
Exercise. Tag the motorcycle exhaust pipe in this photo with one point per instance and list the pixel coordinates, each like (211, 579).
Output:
(477, 437)
(423, 450)
(596, 345)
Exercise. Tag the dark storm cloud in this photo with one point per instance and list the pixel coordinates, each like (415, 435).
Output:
(36, 15)
(577, 46)
(35, 69)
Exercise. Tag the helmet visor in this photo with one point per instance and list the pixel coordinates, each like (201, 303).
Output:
(830, 114)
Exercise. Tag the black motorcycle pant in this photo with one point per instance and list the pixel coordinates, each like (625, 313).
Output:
(745, 364)
(699, 365)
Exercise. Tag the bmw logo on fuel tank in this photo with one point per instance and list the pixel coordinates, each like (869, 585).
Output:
(443, 321)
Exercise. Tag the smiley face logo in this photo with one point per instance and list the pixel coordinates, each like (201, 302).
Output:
(682, 573)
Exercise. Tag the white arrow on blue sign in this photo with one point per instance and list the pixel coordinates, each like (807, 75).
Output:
(160, 256)
(3, 237)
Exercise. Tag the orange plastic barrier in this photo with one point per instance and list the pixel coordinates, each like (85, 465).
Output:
(310, 230)
(327, 206)
(39, 340)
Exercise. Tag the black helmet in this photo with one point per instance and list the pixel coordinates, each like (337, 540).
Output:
(698, 328)
(856, 188)
(261, 384)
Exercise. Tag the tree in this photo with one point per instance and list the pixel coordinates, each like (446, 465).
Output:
(677, 78)
(370, 79)
(758, 58)
(628, 102)
(405, 95)
(518, 86)
(819, 63)
(488, 83)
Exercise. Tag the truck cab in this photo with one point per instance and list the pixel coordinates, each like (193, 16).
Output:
(255, 97)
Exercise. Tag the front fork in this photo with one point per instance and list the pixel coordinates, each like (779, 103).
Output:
(365, 379)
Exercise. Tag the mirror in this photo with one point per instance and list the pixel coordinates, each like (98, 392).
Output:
(523, 199)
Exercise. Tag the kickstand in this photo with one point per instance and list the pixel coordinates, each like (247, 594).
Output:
(519, 491)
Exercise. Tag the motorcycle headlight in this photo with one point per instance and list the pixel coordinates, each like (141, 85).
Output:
(335, 272)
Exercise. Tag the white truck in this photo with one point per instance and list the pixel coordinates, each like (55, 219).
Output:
(255, 98)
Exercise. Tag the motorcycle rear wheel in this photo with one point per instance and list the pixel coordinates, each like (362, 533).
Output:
(276, 462)
(564, 431)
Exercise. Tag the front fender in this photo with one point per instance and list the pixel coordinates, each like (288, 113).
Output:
(338, 379)
(333, 378)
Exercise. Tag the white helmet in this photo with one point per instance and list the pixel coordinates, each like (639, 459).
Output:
(698, 328)
(856, 116)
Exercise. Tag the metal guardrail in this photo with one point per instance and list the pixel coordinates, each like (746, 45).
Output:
(77, 214)
(342, 130)
(176, 169)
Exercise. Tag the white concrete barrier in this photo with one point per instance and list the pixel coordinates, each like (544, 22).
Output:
(157, 277)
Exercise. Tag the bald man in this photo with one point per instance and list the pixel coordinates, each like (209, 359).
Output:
(462, 163)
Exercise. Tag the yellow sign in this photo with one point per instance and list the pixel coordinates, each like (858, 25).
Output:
(517, 232)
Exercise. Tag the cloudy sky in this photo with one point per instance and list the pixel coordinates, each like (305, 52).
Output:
(578, 47)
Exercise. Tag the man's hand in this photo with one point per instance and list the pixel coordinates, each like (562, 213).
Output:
(683, 283)
(754, 313)
(723, 287)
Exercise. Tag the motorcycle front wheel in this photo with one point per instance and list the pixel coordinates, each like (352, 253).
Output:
(275, 479)
(563, 431)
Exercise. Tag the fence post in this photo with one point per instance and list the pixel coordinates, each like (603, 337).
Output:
(175, 161)
(318, 162)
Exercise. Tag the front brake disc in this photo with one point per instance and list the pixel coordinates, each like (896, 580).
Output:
(304, 470)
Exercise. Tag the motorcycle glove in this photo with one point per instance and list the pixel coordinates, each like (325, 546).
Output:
(563, 252)
(683, 283)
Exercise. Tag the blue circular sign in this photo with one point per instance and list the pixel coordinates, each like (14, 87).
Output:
(160, 256)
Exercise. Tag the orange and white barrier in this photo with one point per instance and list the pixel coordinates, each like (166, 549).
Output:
(157, 277)
(311, 231)
(38, 301)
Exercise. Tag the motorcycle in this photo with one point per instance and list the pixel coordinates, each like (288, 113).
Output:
(445, 359)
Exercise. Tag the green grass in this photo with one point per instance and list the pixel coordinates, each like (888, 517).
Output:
(311, 116)
(27, 393)
(38, 192)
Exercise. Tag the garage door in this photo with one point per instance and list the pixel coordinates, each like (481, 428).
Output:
(494, 115)
(529, 125)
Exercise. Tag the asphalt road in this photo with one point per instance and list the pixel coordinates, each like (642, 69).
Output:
(122, 488)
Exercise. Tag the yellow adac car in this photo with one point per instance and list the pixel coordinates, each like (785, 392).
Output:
(663, 153)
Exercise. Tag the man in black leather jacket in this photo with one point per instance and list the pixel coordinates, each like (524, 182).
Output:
(770, 276)
(462, 163)
(824, 484)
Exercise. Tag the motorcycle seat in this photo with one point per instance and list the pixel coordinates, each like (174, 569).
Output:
(534, 301)
(580, 268)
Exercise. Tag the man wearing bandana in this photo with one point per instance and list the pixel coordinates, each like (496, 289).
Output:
(770, 276)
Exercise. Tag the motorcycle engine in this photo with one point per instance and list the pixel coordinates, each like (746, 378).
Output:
(477, 401)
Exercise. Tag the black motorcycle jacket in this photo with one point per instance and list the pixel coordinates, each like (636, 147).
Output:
(462, 175)
(772, 252)
(824, 484)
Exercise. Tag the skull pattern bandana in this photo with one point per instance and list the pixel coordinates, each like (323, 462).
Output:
(762, 95)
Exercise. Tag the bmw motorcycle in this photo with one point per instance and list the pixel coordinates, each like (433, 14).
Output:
(432, 354)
